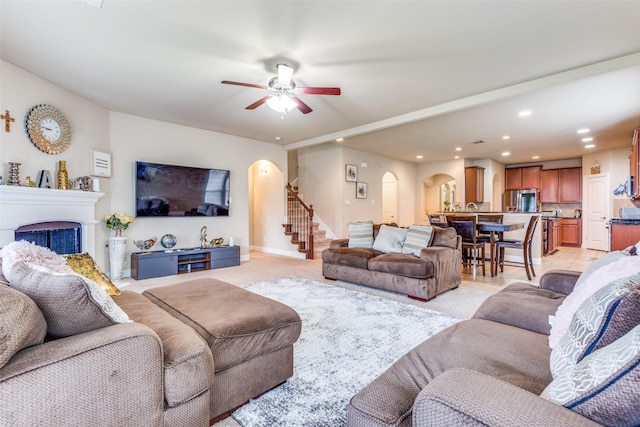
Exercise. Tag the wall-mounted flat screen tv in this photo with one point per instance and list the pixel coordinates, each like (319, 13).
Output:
(171, 190)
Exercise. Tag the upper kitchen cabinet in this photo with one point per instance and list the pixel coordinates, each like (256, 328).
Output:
(634, 170)
(549, 186)
(570, 185)
(474, 184)
(524, 178)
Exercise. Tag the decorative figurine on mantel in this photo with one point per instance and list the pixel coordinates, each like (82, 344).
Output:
(14, 173)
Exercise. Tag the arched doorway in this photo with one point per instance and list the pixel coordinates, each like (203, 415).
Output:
(439, 193)
(389, 198)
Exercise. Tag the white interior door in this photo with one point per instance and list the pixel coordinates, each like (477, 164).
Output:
(596, 212)
(389, 198)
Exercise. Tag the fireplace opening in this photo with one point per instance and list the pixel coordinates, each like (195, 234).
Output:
(62, 237)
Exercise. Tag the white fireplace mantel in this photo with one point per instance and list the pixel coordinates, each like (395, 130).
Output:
(26, 205)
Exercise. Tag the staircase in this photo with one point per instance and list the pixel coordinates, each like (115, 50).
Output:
(304, 232)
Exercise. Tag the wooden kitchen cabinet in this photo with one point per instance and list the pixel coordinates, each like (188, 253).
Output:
(634, 164)
(571, 232)
(570, 185)
(474, 184)
(524, 178)
(549, 186)
(622, 236)
(553, 236)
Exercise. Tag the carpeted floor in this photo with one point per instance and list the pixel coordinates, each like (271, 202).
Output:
(348, 339)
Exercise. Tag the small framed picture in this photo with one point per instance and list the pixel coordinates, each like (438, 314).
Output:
(361, 190)
(351, 173)
(100, 164)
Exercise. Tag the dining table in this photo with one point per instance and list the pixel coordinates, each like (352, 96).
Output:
(492, 228)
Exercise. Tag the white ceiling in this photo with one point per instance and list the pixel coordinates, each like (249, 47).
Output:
(417, 77)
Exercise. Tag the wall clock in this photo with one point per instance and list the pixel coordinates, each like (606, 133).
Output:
(48, 128)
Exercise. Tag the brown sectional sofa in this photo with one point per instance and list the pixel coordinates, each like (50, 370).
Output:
(435, 271)
(490, 370)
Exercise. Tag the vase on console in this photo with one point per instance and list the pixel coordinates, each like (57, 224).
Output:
(117, 246)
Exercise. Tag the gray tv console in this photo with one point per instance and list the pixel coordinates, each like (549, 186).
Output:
(145, 265)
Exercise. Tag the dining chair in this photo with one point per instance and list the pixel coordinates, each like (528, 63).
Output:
(497, 218)
(436, 220)
(524, 245)
(472, 245)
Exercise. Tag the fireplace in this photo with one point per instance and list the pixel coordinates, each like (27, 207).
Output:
(25, 206)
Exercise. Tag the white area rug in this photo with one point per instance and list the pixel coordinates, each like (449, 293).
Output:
(348, 339)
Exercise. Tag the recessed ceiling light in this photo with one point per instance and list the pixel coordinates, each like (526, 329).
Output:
(278, 138)
(458, 148)
(589, 139)
(589, 145)
(419, 156)
(525, 113)
(506, 137)
(581, 131)
(339, 139)
(456, 157)
(535, 157)
(506, 153)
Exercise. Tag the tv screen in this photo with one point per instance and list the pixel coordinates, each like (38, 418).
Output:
(171, 190)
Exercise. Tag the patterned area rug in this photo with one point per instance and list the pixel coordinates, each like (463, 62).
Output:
(348, 339)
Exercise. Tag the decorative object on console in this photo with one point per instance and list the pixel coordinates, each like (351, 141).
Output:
(145, 245)
(218, 241)
(203, 237)
(14, 173)
(63, 176)
(168, 241)
(117, 244)
(48, 129)
(231, 241)
(361, 190)
(350, 173)
(44, 180)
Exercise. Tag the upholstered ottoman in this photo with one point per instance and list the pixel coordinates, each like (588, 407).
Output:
(251, 337)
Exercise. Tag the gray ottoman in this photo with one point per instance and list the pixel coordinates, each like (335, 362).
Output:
(251, 337)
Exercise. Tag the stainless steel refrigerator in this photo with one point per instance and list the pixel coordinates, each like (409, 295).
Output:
(521, 200)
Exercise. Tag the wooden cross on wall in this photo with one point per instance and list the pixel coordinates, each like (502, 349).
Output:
(7, 120)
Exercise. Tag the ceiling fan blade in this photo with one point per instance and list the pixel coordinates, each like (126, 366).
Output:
(301, 105)
(229, 82)
(258, 103)
(319, 90)
(285, 74)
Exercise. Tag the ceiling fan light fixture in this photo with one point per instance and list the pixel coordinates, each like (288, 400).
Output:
(281, 103)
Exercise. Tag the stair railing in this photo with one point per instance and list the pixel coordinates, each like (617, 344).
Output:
(299, 222)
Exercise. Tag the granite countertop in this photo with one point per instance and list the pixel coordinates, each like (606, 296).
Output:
(627, 221)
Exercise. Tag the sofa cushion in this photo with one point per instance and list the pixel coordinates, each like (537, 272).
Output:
(350, 257)
(85, 265)
(418, 237)
(70, 303)
(604, 385)
(447, 237)
(21, 323)
(603, 318)
(621, 267)
(522, 305)
(188, 363)
(22, 250)
(402, 265)
(390, 239)
(360, 234)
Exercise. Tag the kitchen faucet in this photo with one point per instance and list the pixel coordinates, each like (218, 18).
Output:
(475, 207)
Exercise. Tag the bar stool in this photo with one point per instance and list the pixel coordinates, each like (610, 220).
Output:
(524, 244)
(472, 244)
(436, 220)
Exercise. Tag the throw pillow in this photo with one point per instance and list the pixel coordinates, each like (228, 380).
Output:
(390, 239)
(360, 234)
(604, 385)
(21, 323)
(604, 317)
(600, 262)
(22, 250)
(445, 237)
(70, 303)
(622, 267)
(418, 237)
(84, 265)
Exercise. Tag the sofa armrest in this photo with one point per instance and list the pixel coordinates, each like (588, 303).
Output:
(446, 266)
(561, 281)
(339, 243)
(108, 376)
(463, 397)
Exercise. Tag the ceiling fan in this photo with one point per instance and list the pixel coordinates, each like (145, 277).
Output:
(284, 91)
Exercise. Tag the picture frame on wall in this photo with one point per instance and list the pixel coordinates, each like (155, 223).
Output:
(351, 173)
(361, 190)
(100, 164)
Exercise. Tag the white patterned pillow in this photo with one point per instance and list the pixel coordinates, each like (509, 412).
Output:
(70, 303)
(390, 239)
(360, 234)
(604, 385)
(418, 237)
(607, 315)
